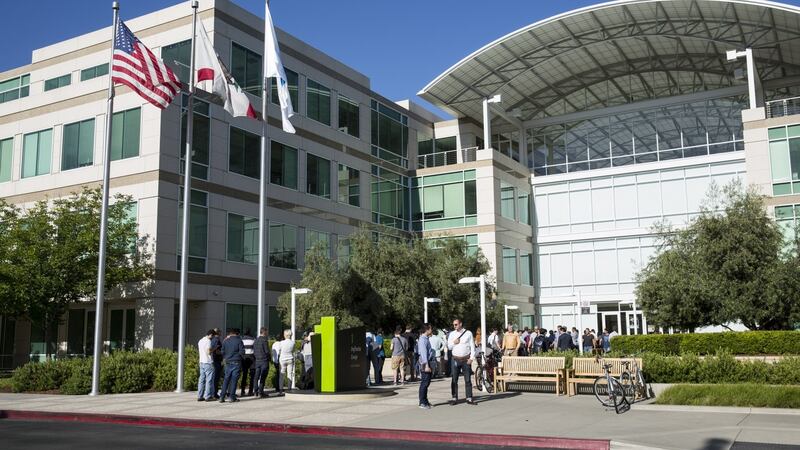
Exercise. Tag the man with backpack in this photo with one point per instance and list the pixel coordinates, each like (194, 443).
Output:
(399, 348)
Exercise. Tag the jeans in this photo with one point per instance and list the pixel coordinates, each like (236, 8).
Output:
(456, 368)
(423, 388)
(248, 369)
(287, 369)
(217, 375)
(262, 369)
(205, 383)
(232, 369)
(376, 367)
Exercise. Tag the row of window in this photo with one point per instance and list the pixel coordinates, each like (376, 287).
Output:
(515, 207)
(19, 87)
(784, 156)
(510, 267)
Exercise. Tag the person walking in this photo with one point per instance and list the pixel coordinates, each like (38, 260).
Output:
(399, 347)
(248, 363)
(205, 381)
(232, 353)
(380, 357)
(262, 358)
(511, 342)
(426, 358)
(285, 358)
(216, 360)
(462, 351)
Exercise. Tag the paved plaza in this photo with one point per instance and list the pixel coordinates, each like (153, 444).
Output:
(512, 413)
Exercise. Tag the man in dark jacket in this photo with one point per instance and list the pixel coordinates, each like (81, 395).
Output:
(233, 354)
(564, 340)
(216, 354)
(248, 363)
(262, 356)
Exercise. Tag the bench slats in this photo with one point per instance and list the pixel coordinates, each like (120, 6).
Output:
(532, 368)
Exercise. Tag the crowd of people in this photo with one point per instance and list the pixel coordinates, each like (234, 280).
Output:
(540, 340)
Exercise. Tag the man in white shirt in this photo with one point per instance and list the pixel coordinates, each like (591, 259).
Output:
(205, 384)
(285, 359)
(462, 350)
(437, 344)
(275, 351)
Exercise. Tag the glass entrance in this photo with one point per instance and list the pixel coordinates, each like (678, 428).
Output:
(611, 322)
(634, 326)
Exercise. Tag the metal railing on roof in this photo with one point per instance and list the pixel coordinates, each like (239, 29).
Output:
(783, 107)
(447, 158)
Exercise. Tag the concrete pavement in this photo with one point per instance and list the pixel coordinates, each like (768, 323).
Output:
(529, 414)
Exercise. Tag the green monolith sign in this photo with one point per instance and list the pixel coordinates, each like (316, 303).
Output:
(340, 360)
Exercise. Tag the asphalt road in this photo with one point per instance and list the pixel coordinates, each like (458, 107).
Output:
(18, 434)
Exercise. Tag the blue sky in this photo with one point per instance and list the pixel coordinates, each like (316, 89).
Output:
(400, 45)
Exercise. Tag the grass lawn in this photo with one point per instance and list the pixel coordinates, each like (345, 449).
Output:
(751, 395)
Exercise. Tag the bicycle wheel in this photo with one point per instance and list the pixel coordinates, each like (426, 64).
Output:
(609, 395)
(628, 385)
(479, 378)
(642, 384)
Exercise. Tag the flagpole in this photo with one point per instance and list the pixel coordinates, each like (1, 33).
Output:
(101, 260)
(187, 189)
(262, 184)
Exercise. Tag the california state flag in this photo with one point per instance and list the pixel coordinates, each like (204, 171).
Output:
(211, 76)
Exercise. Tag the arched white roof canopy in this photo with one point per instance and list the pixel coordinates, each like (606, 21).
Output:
(621, 52)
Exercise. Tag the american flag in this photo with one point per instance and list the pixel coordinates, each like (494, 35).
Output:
(138, 68)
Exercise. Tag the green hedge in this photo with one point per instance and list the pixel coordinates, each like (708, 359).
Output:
(737, 343)
(717, 369)
(747, 395)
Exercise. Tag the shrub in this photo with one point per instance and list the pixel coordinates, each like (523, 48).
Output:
(80, 380)
(748, 395)
(43, 376)
(737, 343)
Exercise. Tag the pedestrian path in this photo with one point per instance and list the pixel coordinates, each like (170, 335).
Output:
(529, 414)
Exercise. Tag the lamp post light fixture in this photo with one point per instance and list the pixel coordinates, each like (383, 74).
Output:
(487, 124)
(752, 76)
(425, 304)
(506, 308)
(295, 293)
(481, 280)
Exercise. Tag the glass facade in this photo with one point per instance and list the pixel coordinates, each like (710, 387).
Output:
(507, 144)
(314, 238)
(14, 88)
(787, 216)
(246, 69)
(509, 265)
(57, 82)
(784, 156)
(282, 246)
(244, 155)
(242, 239)
(349, 185)
(349, 120)
(526, 269)
(177, 57)
(471, 240)
(283, 165)
(389, 198)
(318, 176)
(389, 134)
(444, 200)
(122, 329)
(6, 156)
(78, 145)
(201, 138)
(125, 134)
(524, 208)
(292, 79)
(657, 134)
(198, 230)
(318, 102)
(97, 71)
(242, 317)
(37, 149)
(507, 201)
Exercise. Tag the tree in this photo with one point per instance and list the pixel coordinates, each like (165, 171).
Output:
(384, 282)
(49, 253)
(728, 265)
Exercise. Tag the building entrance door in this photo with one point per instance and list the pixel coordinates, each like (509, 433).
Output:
(610, 322)
(634, 326)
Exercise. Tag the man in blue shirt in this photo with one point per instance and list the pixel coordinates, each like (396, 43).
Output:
(233, 354)
(426, 358)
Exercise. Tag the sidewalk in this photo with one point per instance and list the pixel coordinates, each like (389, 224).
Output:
(528, 414)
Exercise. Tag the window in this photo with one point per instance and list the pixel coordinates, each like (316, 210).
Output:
(507, 201)
(122, 329)
(36, 152)
(525, 269)
(177, 57)
(201, 138)
(349, 185)
(314, 238)
(246, 69)
(784, 155)
(14, 88)
(132, 217)
(524, 208)
(97, 71)
(242, 317)
(444, 200)
(242, 239)
(292, 79)
(8, 329)
(343, 253)
(6, 154)
(282, 246)
(509, 265)
(318, 102)
(283, 165)
(390, 198)
(470, 241)
(389, 134)
(318, 176)
(348, 116)
(125, 134)
(244, 155)
(78, 145)
(76, 332)
(57, 82)
(198, 230)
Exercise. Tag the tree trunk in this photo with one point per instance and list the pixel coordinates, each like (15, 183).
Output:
(46, 325)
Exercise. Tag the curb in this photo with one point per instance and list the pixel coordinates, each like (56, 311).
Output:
(359, 433)
(720, 409)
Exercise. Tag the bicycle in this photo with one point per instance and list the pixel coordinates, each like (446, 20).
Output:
(634, 385)
(486, 381)
(614, 394)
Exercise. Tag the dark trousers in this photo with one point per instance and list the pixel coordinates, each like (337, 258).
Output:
(217, 376)
(457, 368)
(248, 369)
(423, 388)
(232, 370)
(276, 380)
(262, 369)
(377, 367)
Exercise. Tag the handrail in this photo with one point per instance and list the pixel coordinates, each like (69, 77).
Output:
(447, 158)
(783, 107)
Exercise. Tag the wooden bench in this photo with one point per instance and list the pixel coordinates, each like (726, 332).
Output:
(531, 368)
(586, 370)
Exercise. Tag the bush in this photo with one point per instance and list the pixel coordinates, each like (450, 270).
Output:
(737, 343)
(80, 381)
(748, 395)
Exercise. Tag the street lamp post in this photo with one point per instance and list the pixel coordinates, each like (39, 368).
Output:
(295, 293)
(425, 304)
(487, 121)
(506, 308)
(482, 281)
(752, 76)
